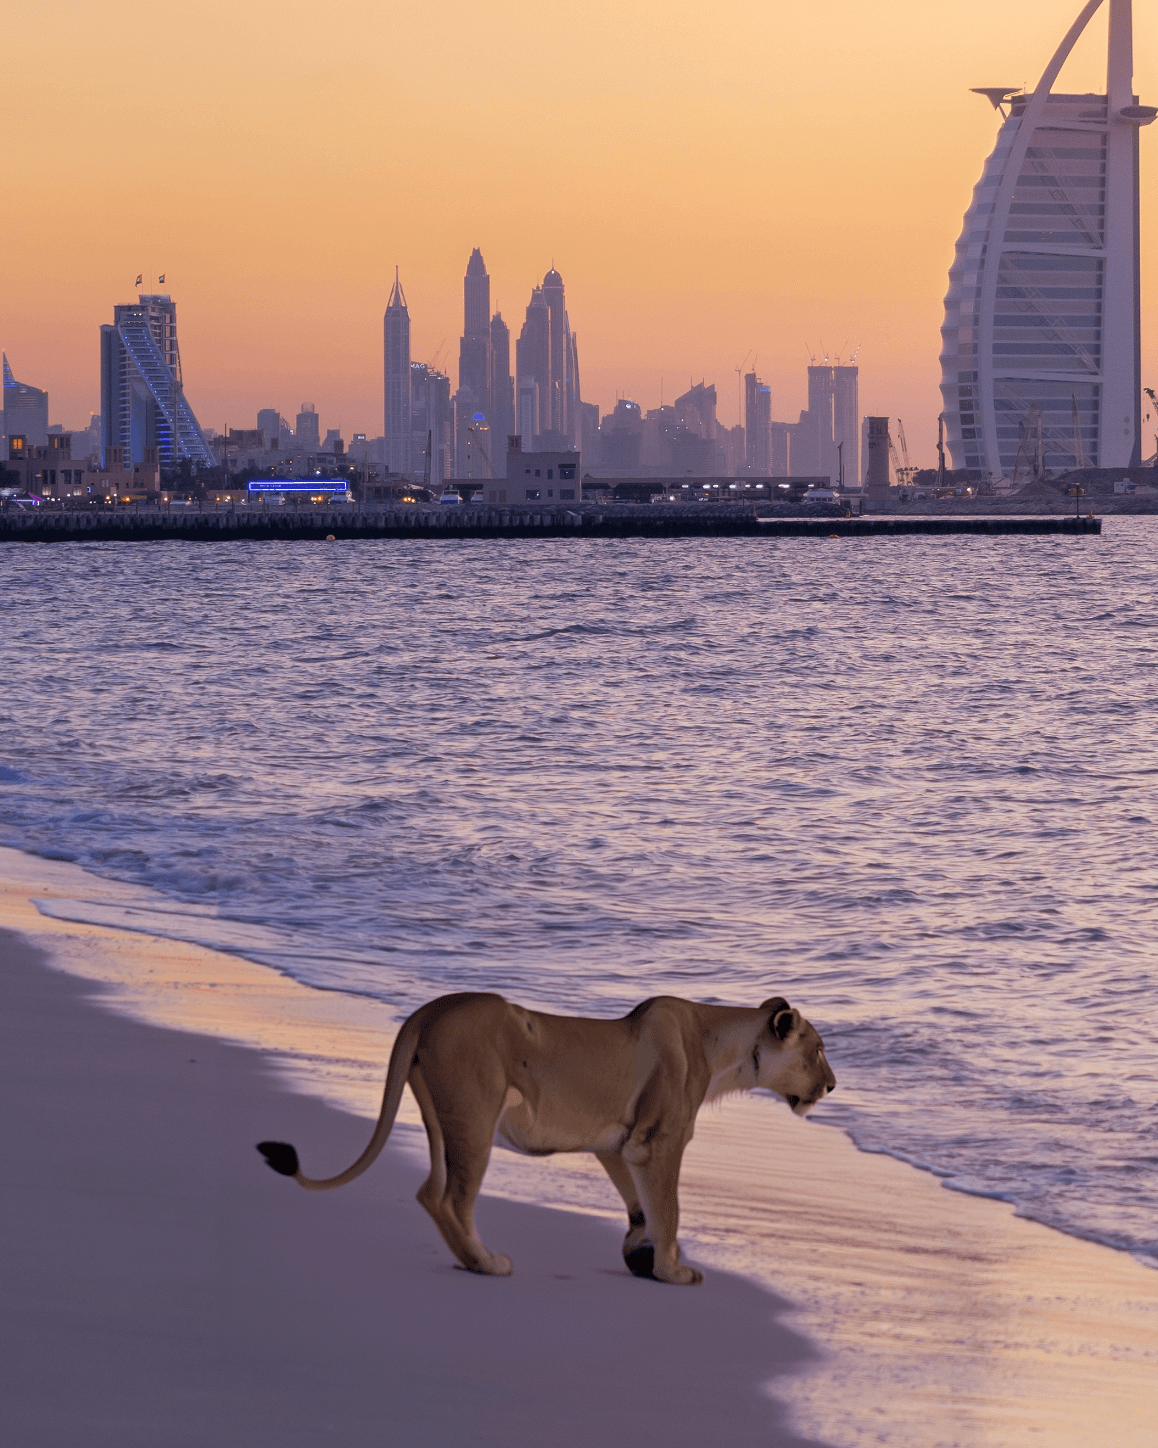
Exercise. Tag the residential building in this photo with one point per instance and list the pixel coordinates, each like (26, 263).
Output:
(547, 355)
(431, 421)
(278, 433)
(696, 410)
(306, 432)
(50, 470)
(501, 414)
(846, 423)
(621, 438)
(832, 417)
(758, 426)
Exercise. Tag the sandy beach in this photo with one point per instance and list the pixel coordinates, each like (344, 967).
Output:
(161, 1287)
(165, 1287)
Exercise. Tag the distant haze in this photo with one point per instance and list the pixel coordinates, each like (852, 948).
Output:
(748, 178)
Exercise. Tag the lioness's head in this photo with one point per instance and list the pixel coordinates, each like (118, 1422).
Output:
(791, 1058)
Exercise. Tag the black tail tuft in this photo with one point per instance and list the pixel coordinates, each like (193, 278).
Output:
(281, 1156)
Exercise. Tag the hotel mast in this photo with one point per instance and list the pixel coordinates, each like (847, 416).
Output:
(1040, 359)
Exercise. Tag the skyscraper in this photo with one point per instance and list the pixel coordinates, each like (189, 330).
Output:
(757, 425)
(832, 417)
(547, 367)
(278, 433)
(1041, 341)
(143, 402)
(25, 411)
(533, 371)
(396, 368)
(431, 421)
(846, 423)
(502, 404)
(308, 435)
(474, 349)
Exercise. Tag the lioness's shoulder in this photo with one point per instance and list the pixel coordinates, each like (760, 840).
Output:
(664, 1015)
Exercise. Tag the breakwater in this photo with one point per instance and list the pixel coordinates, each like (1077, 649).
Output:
(609, 521)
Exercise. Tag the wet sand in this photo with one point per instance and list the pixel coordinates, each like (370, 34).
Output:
(933, 1318)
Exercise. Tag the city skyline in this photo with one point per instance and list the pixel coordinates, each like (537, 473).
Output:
(690, 233)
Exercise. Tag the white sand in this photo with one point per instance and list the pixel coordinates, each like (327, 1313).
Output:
(938, 1318)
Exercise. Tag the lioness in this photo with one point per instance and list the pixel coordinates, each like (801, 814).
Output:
(627, 1090)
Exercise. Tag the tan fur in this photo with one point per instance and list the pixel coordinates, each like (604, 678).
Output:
(627, 1090)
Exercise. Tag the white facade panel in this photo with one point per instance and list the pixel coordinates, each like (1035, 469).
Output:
(1040, 359)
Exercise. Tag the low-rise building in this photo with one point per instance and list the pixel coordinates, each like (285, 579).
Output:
(535, 477)
(51, 471)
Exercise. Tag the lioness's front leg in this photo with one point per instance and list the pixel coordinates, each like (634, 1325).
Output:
(657, 1183)
(638, 1252)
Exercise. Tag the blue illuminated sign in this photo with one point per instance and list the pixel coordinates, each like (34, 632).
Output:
(319, 485)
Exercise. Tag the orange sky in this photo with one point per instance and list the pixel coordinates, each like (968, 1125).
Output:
(766, 177)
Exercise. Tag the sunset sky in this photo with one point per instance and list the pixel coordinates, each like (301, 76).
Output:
(766, 179)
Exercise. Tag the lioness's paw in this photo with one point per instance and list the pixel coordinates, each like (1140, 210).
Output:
(494, 1264)
(680, 1276)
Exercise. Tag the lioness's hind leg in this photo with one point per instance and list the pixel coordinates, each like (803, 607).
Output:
(638, 1251)
(449, 1194)
(433, 1189)
(467, 1154)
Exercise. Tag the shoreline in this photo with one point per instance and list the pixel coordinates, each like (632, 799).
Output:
(929, 1306)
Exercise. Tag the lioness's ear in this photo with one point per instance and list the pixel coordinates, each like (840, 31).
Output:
(783, 1023)
(775, 1005)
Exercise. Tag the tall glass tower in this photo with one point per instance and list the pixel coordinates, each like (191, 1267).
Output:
(1040, 356)
(142, 399)
(25, 411)
(396, 373)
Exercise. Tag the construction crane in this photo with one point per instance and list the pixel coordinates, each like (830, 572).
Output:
(908, 472)
(739, 395)
(1079, 446)
(474, 439)
(1031, 423)
(895, 459)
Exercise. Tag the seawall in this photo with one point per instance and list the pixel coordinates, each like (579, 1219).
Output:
(215, 525)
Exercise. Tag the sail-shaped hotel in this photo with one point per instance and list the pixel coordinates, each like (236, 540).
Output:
(1040, 358)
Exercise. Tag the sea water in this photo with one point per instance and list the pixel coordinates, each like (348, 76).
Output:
(910, 784)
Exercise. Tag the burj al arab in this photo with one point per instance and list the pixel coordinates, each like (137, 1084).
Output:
(1040, 355)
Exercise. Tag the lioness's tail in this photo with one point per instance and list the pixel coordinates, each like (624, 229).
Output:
(284, 1159)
